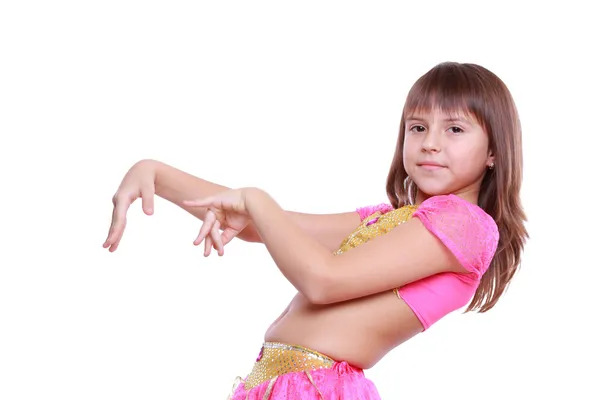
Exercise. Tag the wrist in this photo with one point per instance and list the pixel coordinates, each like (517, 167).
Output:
(149, 169)
(254, 197)
(146, 165)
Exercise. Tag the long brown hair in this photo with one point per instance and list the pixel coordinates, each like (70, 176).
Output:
(473, 89)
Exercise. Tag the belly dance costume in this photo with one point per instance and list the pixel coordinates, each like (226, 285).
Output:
(285, 371)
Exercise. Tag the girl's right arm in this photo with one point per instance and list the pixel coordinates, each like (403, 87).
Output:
(176, 186)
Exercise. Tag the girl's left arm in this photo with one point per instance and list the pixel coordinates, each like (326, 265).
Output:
(406, 254)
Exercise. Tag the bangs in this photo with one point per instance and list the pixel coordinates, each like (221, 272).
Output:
(450, 89)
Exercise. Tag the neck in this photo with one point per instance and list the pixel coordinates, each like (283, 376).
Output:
(472, 196)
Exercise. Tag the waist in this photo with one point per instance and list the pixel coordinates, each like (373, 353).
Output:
(276, 359)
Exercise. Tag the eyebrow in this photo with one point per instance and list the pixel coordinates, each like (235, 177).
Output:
(454, 119)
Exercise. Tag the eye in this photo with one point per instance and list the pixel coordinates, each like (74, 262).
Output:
(456, 130)
(417, 129)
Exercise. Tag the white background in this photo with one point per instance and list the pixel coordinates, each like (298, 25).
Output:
(303, 100)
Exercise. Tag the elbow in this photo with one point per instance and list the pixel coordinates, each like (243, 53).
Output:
(316, 297)
(319, 290)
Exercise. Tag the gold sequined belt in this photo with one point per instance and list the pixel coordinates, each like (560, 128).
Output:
(276, 359)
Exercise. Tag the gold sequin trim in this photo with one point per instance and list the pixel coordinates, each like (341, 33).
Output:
(277, 359)
(383, 224)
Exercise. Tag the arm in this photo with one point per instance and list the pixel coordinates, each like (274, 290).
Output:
(406, 254)
(176, 186)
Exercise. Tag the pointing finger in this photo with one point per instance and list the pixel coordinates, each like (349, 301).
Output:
(206, 202)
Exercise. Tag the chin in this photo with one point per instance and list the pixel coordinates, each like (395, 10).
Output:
(432, 189)
(432, 193)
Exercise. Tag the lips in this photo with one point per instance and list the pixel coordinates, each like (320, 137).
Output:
(430, 165)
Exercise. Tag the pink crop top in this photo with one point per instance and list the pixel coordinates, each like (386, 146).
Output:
(469, 233)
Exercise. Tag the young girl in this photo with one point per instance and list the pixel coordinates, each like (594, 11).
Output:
(452, 234)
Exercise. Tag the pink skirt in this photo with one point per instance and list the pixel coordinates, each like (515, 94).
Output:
(285, 372)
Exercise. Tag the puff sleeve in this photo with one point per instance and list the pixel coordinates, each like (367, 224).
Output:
(464, 228)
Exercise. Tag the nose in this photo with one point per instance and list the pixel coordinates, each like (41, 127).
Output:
(431, 141)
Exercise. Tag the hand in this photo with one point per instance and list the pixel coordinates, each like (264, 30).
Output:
(138, 182)
(226, 211)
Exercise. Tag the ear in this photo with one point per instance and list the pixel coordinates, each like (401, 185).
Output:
(490, 160)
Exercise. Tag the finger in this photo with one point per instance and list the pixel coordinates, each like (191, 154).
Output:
(111, 229)
(206, 202)
(228, 235)
(207, 246)
(209, 221)
(202, 234)
(115, 237)
(216, 238)
(114, 246)
(147, 194)
(118, 222)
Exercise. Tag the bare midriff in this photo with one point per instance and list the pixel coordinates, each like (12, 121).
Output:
(359, 331)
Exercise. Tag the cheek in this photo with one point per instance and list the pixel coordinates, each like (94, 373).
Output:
(470, 160)
(475, 151)
(408, 152)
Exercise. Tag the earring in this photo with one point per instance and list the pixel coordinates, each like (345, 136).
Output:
(491, 166)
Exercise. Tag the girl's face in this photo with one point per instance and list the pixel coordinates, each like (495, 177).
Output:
(446, 154)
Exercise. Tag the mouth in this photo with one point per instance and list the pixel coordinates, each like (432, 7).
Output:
(430, 165)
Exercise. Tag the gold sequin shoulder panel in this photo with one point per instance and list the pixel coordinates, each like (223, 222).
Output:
(376, 224)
